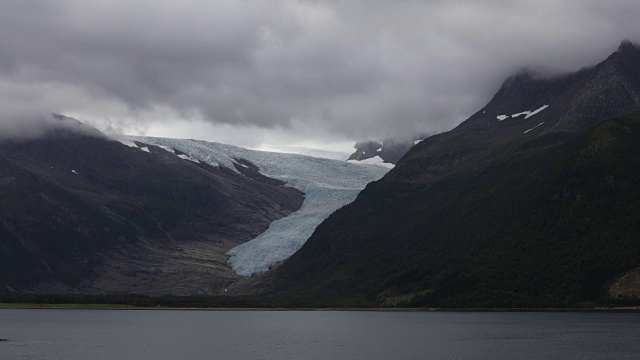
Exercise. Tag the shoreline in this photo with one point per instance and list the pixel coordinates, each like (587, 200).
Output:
(26, 306)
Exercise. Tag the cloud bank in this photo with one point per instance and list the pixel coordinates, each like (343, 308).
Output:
(260, 71)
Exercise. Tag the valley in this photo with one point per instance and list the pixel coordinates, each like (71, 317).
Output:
(531, 202)
(82, 213)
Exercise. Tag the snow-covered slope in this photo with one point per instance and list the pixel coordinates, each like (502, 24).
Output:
(376, 160)
(327, 184)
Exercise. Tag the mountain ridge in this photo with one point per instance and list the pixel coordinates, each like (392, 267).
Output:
(388, 151)
(84, 213)
(477, 216)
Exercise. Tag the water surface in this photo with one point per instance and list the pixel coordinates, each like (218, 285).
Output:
(130, 334)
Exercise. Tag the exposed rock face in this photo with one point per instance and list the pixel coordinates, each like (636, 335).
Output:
(627, 285)
(366, 150)
(81, 213)
(390, 151)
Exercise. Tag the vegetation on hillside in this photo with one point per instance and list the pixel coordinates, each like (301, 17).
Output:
(534, 224)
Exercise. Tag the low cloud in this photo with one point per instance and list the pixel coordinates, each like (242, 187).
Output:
(324, 70)
(25, 127)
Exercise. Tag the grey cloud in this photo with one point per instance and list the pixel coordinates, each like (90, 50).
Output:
(25, 127)
(354, 69)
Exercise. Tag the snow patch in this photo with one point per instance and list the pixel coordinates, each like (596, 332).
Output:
(132, 144)
(533, 127)
(328, 185)
(376, 160)
(527, 114)
(75, 172)
(167, 148)
(416, 142)
(128, 143)
(379, 149)
(187, 157)
(536, 111)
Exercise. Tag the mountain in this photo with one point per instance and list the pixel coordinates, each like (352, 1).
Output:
(327, 184)
(386, 151)
(83, 213)
(80, 212)
(532, 201)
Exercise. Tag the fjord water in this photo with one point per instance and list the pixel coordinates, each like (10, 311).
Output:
(129, 334)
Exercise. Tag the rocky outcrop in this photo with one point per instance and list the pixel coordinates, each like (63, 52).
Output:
(627, 285)
(390, 151)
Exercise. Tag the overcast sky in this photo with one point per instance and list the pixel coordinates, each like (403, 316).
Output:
(277, 72)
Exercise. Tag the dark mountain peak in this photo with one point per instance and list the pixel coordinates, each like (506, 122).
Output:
(626, 54)
(530, 108)
(65, 126)
(390, 151)
(572, 102)
(49, 126)
(627, 46)
(522, 76)
(624, 60)
(366, 150)
(544, 155)
(568, 103)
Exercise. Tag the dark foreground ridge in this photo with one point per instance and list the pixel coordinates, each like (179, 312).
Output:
(534, 201)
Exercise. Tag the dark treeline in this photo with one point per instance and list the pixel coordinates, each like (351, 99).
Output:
(547, 225)
(270, 302)
(199, 301)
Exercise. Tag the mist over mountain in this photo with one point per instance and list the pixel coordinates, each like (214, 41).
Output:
(532, 201)
(388, 151)
(41, 125)
(80, 212)
(287, 72)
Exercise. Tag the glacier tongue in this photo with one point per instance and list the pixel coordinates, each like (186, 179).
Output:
(285, 236)
(327, 184)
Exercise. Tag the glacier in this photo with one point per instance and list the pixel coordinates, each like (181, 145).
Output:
(328, 184)
(327, 154)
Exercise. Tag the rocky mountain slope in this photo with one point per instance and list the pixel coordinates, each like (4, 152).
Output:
(83, 213)
(387, 151)
(532, 201)
(80, 212)
(327, 184)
